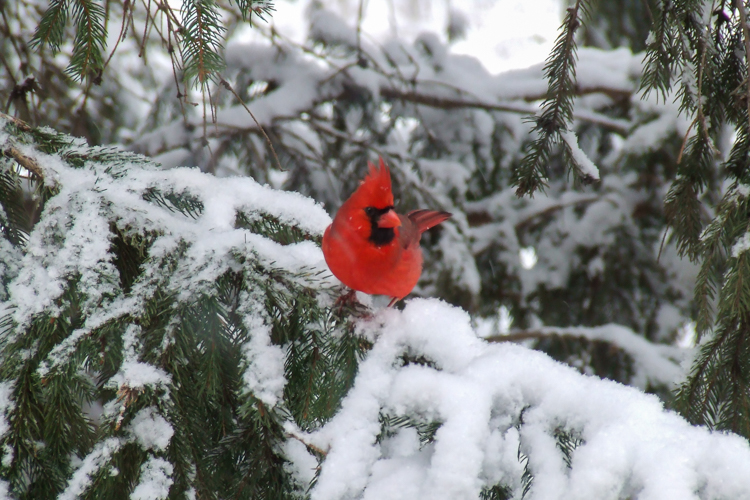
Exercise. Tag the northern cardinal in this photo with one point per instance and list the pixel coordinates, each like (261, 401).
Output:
(371, 248)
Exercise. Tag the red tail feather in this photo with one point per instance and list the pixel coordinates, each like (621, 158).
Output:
(425, 219)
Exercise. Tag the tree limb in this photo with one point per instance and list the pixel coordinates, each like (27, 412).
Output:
(23, 160)
(615, 125)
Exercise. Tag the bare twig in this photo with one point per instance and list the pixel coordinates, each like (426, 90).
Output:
(699, 92)
(260, 127)
(310, 446)
(23, 160)
(520, 336)
(360, 15)
(528, 221)
(685, 139)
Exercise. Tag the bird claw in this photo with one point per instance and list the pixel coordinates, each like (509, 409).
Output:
(349, 298)
(349, 301)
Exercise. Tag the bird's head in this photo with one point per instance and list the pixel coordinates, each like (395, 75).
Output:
(370, 209)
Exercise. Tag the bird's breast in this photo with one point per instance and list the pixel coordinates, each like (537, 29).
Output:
(389, 269)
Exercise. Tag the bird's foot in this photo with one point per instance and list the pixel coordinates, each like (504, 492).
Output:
(349, 301)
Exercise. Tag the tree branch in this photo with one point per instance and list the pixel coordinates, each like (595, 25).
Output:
(615, 125)
(746, 31)
(23, 160)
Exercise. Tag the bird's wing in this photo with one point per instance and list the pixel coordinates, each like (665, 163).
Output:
(425, 219)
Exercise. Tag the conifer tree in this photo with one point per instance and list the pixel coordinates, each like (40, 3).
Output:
(149, 352)
(169, 333)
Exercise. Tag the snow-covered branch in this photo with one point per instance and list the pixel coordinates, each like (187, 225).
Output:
(654, 364)
(507, 416)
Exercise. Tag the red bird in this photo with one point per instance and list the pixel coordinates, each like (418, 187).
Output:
(371, 248)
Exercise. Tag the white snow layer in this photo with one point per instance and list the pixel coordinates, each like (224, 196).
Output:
(94, 461)
(480, 392)
(582, 160)
(73, 238)
(151, 430)
(264, 375)
(155, 480)
(653, 364)
(496, 400)
(6, 404)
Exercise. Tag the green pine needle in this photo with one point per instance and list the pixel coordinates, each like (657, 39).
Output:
(202, 42)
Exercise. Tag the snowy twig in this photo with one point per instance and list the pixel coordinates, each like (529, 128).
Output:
(361, 142)
(481, 217)
(12, 152)
(309, 446)
(619, 126)
(655, 362)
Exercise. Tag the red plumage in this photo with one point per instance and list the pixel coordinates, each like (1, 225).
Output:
(371, 248)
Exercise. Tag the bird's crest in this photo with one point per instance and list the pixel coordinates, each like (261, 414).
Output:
(375, 189)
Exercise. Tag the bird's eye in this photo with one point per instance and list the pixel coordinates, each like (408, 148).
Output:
(371, 211)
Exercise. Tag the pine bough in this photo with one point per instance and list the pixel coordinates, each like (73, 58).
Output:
(169, 334)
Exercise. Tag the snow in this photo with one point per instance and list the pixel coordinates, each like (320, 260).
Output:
(327, 27)
(155, 480)
(741, 246)
(6, 405)
(72, 241)
(94, 461)
(493, 398)
(301, 465)
(298, 79)
(449, 174)
(136, 375)
(583, 162)
(151, 430)
(264, 375)
(654, 364)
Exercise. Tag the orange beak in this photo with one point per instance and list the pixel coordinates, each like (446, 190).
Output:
(389, 219)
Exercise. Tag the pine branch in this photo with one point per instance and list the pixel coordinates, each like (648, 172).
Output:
(497, 492)
(184, 203)
(51, 29)
(202, 36)
(136, 315)
(557, 109)
(14, 221)
(567, 441)
(260, 8)
(91, 37)
(742, 9)
(665, 49)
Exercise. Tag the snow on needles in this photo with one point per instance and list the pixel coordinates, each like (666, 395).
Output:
(73, 238)
(496, 402)
(581, 159)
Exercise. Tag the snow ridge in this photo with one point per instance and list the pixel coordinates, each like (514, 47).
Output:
(496, 401)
